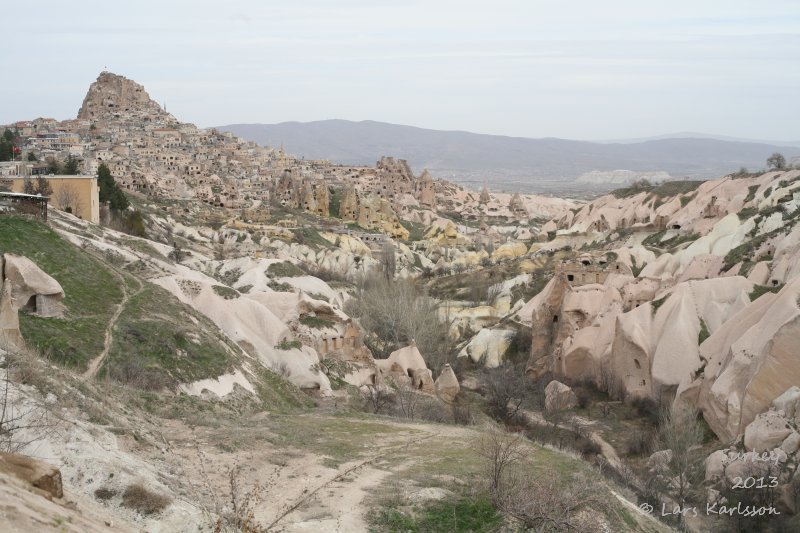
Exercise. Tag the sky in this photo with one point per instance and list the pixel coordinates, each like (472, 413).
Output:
(612, 69)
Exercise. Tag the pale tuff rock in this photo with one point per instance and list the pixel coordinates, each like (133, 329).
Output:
(39, 474)
(558, 397)
(751, 360)
(407, 367)
(9, 319)
(509, 250)
(33, 289)
(715, 465)
(447, 386)
(789, 402)
(253, 321)
(766, 432)
(488, 346)
(111, 94)
(791, 444)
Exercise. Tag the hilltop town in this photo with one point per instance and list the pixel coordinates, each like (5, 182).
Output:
(253, 339)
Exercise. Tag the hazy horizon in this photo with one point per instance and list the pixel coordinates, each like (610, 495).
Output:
(588, 71)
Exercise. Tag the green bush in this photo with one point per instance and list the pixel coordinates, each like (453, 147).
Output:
(476, 515)
(286, 344)
(704, 333)
(284, 269)
(760, 290)
(315, 322)
(226, 292)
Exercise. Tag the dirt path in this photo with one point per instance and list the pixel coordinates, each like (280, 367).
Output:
(348, 488)
(94, 364)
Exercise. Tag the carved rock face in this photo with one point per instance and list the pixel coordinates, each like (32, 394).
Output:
(112, 94)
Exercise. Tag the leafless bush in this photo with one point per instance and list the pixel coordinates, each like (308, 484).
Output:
(433, 410)
(68, 199)
(407, 400)
(500, 451)
(134, 373)
(394, 313)
(611, 384)
(281, 368)
(376, 399)
(681, 432)
(544, 504)
(640, 442)
(323, 273)
(23, 421)
(461, 413)
(142, 499)
(104, 493)
(505, 393)
(240, 513)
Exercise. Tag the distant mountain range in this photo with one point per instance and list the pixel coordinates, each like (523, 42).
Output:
(509, 162)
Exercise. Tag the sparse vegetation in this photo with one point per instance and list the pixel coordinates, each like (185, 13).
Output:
(286, 344)
(316, 322)
(226, 292)
(760, 290)
(284, 269)
(144, 500)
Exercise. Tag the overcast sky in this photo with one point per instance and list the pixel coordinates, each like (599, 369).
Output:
(573, 69)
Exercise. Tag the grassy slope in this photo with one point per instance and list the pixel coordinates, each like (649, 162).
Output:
(92, 292)
(156, 332)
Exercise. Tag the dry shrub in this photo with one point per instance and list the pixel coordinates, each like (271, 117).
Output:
(462, 414)
(377, 400)
(135, 373)
(104, 493)
(640, 442)
(140, 498)
(500, 451)
(545, 504)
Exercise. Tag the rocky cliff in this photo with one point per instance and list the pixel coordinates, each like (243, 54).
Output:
(112, 94)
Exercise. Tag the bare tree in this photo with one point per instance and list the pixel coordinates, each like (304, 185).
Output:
(680, 432)
(393, 314)
(43, 186)
(546, 505)
(68, 199)
(22, 421)
(505, 393)
(407, 399)
(388, 261)
(500, 451)
(376, 399)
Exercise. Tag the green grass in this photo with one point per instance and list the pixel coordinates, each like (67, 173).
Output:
(704, 333)
(156, 337)
(668, 188)
(416, 231)
(316, 322)
(91, 292)
(751, 193)
(760, 290)
(288, 345)
(226, 292)
(655, 304)
(463, 514)
(339, 438)
(671, 188)
(336, 195)
(671, 243)
(284, 269)
(310, 237)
